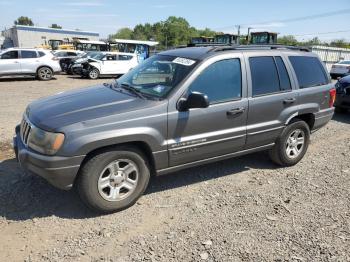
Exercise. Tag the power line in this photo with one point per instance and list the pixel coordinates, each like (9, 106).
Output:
(325, 33)
(295, 19)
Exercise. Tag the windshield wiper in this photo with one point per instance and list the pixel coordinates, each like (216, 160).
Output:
(131, 89)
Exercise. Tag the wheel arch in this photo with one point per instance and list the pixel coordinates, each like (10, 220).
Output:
(41, 66)
(142, 146)
(308, 118)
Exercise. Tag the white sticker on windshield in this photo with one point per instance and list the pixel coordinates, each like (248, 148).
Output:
(184, 61)
(159, 88)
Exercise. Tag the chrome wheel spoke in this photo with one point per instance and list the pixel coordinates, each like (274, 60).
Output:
(129, 169)
(300, 141)
(114, 194)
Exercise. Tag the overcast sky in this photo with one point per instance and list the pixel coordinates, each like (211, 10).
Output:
(107, 16)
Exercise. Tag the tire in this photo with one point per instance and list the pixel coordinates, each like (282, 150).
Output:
(94, 73)
(44, 73)
(104, 179)
(288, 150)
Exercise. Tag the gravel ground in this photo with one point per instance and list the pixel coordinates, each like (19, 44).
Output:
(243, 209)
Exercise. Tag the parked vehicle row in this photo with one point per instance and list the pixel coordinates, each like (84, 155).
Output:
(178, 109)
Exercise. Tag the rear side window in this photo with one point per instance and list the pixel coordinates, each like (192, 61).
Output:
(269, 75)
(10, 55)
(41, 54)
(283, 74)
(264, 75)
(28, 54)
(221, 81)
(309, 71)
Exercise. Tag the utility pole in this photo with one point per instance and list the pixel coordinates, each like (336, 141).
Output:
(248, 36)
(238, 33)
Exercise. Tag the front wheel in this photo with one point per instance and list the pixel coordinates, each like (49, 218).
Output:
(113, 180)
(94, 73)
(44, 73)
(292, 145)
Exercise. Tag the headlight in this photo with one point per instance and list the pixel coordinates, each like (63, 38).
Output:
(45, 142)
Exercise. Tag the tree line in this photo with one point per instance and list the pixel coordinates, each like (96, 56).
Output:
(176, 31)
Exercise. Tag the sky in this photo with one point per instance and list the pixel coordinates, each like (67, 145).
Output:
(107, 16)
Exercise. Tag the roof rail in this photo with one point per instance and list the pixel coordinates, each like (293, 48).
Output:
(257, 47)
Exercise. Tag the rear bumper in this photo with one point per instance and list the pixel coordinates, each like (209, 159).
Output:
(342, 101)
(58, 171)
(322, 118)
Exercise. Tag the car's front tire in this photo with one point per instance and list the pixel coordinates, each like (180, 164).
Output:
(113, 180)
(44, 73)
(292, 144)
(94, 73)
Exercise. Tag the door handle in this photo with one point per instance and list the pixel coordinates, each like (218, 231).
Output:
(16, 62)
(289, 101)
(235, 111)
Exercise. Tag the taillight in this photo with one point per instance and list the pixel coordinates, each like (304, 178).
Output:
(55, 58)
(332, 96)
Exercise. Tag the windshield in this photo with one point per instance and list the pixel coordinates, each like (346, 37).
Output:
(345, 62)
(158, 75)
(97, 56)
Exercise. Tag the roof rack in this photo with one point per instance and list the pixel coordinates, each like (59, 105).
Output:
(217, 47)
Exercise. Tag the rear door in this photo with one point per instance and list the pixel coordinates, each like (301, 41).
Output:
(10, 63)
(271, 98)
(29, 61)
(220, 129)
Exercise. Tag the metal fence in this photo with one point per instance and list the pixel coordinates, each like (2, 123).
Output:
(331, 55)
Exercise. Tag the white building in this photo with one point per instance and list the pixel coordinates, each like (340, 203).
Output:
(31, 36)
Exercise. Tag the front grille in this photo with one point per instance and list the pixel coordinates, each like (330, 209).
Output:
(25, 131)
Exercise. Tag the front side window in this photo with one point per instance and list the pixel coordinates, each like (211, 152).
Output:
(28, 54)
(158, 75)
(309, 71)
(221, 81)
(10, 55)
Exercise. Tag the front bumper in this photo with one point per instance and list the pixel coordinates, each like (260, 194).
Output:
(57, 170)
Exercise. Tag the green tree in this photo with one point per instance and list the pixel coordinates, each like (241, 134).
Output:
(56, 26)
(123, 33)
(340, 43)
(287, 40)
(24, 20)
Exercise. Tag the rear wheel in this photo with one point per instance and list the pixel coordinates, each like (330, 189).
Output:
(292, 145)
(44, 73)
(94, 73)
(113, 180)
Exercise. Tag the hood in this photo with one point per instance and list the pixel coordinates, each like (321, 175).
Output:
(71, 107)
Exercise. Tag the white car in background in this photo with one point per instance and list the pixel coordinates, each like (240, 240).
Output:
(340, 69)
(111, 64)
(39, 63)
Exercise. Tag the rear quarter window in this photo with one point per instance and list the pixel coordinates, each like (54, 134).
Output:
(309, 71)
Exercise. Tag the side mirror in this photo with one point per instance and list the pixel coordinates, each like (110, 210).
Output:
(194, 100)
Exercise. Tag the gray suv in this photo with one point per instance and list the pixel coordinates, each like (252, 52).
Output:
(178, 109)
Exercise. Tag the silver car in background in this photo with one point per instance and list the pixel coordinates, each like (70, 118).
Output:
(39, 63)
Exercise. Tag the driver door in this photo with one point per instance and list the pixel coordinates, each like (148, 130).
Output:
(220, 129)
(110, 65)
